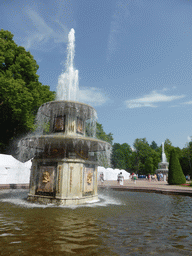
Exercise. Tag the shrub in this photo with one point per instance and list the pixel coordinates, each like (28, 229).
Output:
(175, 175)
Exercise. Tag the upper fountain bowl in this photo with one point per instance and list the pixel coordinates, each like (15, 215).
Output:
(67, 117)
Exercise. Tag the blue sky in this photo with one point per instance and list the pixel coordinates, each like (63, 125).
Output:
(134, 59)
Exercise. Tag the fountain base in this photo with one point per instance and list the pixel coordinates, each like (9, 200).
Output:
(63, 181)
(59, 201)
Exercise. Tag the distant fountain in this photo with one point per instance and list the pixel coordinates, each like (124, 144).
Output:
(163, 165)
(64, 167)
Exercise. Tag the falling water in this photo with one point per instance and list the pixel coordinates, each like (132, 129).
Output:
(68, 84)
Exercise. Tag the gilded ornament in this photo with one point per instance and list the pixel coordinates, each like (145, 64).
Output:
(59, 179)
(45, 177)
(89, 178)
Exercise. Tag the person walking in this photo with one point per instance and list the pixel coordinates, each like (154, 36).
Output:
(121, 179)
(134, 178)
(102, 177)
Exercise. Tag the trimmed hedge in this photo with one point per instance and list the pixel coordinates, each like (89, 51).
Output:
(175, 175)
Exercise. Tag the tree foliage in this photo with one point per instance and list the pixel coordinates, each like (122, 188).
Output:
(104, 158)
(168, 148)
(154, 145)
(185, 159)
(175, 175)
(21, 93)
(100, 134)
(142, 160)
(121, 156)
(149, 165)
(145, 159)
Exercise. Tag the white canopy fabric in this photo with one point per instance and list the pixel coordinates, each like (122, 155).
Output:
(8, 160)
(111, 174)
(12, 171)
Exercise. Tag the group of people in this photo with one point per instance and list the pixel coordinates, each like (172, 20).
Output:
(151, 177)
(188, 178)
(120, 178)
(158, 177)
(134, 177)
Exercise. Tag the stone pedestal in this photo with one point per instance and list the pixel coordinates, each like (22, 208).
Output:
(163, 168)
(63, 181)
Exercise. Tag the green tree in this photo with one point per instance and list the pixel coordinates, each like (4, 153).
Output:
(142, 150)
(144, 157)
(168, 148)
(149, 167)
(175, 175)
(121, 156)
(100, 134)
(156, 156)
(117, 158)
(104, 158)
(21, 93)
(127, 151)
(154, 145)
(135, 163)
(185, 159)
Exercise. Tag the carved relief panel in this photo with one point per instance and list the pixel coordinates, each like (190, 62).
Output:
(46, 180)
(88, 179)
(59, 124)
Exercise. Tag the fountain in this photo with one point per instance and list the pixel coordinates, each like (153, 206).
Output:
(64, 167)
(163, 165)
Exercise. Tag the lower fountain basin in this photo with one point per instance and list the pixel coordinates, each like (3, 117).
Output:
(120, 223)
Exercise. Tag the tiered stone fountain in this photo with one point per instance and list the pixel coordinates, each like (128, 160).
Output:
(163, 165)
(64, 169)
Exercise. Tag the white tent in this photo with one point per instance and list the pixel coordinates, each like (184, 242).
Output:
(13, 171)
(111, 174)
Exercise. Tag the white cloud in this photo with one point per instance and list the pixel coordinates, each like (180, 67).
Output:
(92, 96)
(43, 33)
(122, 19)
(174, 106)
(149, 100)
(187, 103)
(165, 89)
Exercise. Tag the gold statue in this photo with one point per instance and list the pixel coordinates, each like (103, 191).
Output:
(89, 178)
(46, 177)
